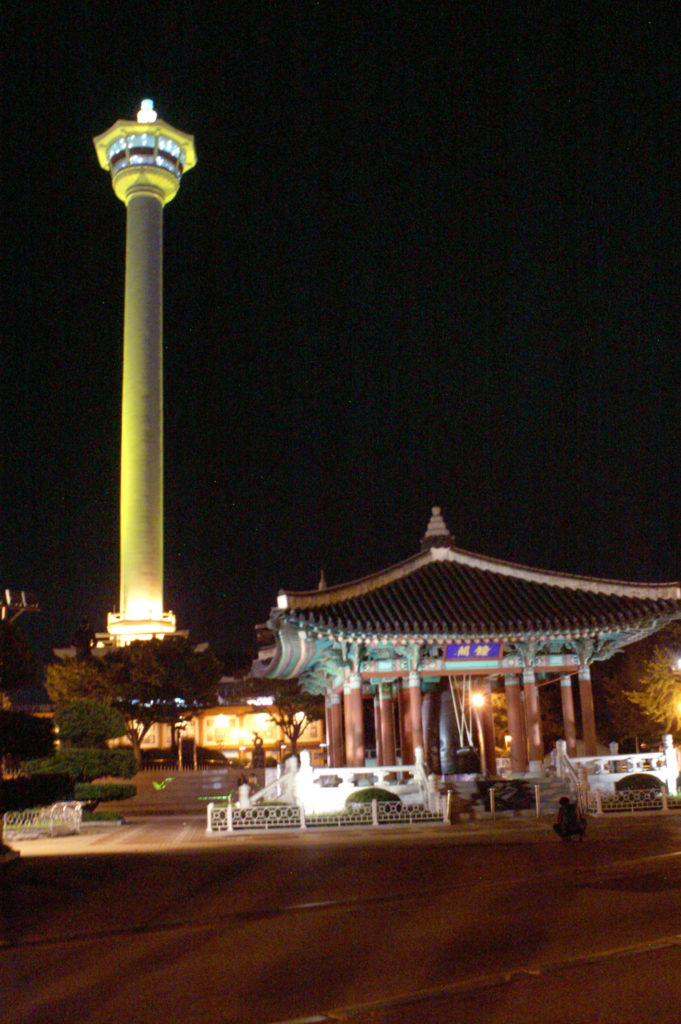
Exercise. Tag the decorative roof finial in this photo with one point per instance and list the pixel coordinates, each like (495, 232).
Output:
(437, 535)
(322, 581)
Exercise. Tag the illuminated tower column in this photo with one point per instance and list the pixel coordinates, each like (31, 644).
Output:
(146, 159)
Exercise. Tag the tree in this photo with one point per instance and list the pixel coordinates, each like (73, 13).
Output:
(148, 682)
(19, 666)
(626, 711)
(659, 694)
(164, 681)
(23, 736)
(77, 678)
(85, 726)
(293, 708)
(88, 723)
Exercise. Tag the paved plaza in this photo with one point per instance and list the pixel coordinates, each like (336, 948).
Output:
(495, 921)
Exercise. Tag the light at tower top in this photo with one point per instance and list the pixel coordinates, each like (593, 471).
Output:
(146, 152)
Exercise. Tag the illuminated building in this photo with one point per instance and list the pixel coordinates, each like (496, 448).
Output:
(146, 159)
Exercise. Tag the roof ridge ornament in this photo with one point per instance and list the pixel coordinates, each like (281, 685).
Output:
(437, 534)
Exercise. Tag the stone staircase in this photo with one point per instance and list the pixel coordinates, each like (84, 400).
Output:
(177, 791)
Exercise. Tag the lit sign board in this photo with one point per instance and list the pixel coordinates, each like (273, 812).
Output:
(470, 650)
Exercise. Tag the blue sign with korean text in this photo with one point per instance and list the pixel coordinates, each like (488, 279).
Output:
(470, 650)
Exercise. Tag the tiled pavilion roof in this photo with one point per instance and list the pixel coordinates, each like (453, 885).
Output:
(446, 590)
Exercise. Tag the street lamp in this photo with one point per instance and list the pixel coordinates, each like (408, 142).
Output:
(478, 702)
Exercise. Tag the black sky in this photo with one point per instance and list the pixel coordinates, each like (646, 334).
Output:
(429, 255)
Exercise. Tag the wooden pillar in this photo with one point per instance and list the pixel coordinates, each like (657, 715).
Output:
(327, 725)
(387, 723)
(377, 726)
(406, 737)
(533, 720)
(414, 693)
(357, 714)
(568, 705)
(334, 739)
(514, 711)
(586, 699)
(347, 721)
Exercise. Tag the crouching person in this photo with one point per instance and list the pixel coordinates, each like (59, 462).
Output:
(571, 821)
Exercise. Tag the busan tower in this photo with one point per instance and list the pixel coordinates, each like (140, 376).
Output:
(146, 159)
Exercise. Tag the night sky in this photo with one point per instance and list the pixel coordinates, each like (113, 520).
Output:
(429, 255)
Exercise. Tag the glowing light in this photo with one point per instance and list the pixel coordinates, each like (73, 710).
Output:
(146, 113)
(477, 699)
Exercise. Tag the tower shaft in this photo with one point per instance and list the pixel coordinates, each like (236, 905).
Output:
(146, 159)
(141, 519)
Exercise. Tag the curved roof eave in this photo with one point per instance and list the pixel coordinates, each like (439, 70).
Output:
(299, 600)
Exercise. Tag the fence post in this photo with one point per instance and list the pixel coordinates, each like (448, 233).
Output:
(599, 802)
(209, 819)
(230, 812)
(665, 802)
(537, 800)
(303, 823)
(492, 802)
(374, 812)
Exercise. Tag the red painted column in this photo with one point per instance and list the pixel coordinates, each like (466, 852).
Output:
(568, 706)
(514, 711)
(586, 698)
(406, 738)
(334, 740)
(387, 723)
(377, 727)
(357, 713)
(415, 712)
(533, 720)
(347, 718)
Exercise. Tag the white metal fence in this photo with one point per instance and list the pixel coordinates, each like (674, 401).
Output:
(228, 818)
(60, 819)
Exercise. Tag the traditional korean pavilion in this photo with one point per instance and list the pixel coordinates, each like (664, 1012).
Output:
(430, 638)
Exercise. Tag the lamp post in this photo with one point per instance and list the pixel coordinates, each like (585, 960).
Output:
(478, 702)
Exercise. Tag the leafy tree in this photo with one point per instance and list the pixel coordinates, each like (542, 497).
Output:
(23, 736)
(164, 681)
(659, 693)
(88, 723)
(78, 678)
(19, 666)
(624, 712)
(149, 681)
(293, 708)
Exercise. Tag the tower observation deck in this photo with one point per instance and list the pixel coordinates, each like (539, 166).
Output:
(146, 159)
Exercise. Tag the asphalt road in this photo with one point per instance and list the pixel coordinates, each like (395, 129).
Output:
(155, 922)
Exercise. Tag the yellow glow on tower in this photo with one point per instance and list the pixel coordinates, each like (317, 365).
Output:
(146, 159)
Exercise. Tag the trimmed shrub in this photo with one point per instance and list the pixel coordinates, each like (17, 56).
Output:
(88, 723)
(366, 794)
(639, 780)
(36, 791)
(93, 793)
(86, 764)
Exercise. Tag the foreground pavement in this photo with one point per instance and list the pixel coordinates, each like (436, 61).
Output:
(173, 832)
(496, 922)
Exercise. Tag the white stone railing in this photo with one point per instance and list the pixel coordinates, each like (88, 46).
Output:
(325, 790)
(602, 772)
